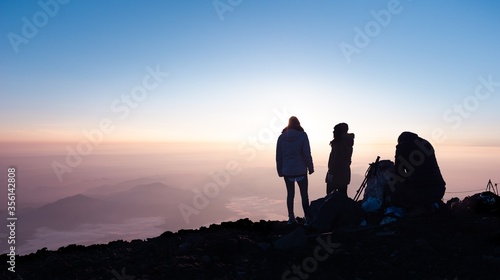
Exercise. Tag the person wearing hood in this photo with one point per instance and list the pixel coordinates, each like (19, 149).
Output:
(293, 163)
(339, 162)
(419, 183)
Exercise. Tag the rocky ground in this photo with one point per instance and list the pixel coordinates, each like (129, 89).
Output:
(460, 241)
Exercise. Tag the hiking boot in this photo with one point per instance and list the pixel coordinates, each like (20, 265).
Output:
(307, 221)
(292, 221)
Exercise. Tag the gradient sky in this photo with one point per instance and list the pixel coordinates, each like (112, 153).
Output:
(229, 69)
(431, 67)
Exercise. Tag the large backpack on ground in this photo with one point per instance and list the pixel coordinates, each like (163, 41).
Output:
(377, 191)
(335, 210)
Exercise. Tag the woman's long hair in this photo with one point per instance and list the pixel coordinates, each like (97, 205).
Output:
(293, 123)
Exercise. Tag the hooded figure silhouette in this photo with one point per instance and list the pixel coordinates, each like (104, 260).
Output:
(339, 162)
(419, 183)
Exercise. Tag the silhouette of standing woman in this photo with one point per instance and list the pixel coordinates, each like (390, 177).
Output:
(339, 163)
(293, 160)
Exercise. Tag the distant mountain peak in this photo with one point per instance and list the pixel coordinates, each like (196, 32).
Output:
(77, 199)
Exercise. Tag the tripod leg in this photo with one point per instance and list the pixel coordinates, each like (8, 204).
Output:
(361, 188)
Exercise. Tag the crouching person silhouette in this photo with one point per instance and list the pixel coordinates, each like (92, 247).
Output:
(339, 162)
(293, 161)
(418, 183)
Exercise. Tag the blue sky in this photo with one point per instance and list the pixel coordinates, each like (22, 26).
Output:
(227, 71)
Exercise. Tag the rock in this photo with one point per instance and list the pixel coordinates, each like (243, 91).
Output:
(294, 239)
(185, 247)
(264, 246)
(206, 259)
(422, 245)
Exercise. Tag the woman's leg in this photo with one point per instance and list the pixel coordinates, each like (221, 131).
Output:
(329, 187)
(342, 189)
(303, 186)
(290, 194)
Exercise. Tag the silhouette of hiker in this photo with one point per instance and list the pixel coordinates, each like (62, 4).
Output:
(339, 162)
(293, 160)
(418, 180)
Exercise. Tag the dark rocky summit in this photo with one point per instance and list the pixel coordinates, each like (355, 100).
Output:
(459, 241)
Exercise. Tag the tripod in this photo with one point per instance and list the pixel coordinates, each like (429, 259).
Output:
(372, 170)
(489, 187)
